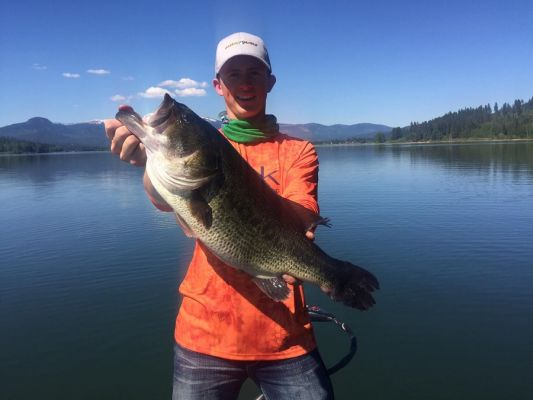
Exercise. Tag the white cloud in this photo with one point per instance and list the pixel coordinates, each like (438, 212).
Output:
(183, 83)
(118, 97)
(127, 78)
(70, 75)
(98, 71)
(185, 87)
(153, 92)
(189, 92)
(39, 67)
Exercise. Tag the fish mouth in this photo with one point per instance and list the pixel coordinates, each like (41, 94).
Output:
(164, 114)
(149, 130)
(128, 114)
(132, 121)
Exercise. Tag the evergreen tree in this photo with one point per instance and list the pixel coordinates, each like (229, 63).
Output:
(514, 121)
(396, 133)
(380, 137)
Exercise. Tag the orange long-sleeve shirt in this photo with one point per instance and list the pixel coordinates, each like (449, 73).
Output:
(223, 313)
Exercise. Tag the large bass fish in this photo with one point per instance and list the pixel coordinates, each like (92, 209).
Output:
(220, 200)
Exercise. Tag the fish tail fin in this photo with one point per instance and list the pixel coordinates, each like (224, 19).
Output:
(354, 286)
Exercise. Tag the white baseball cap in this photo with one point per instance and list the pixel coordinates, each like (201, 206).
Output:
(241, 44)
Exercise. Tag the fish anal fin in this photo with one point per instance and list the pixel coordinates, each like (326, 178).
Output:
(275, 288)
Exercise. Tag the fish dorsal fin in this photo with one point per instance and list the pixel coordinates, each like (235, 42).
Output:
(275, 288)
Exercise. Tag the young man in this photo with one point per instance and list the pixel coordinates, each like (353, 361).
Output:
(228, 330)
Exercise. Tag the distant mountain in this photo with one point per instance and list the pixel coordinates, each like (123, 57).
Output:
(215, 122)
(324, 133)
(41, 130)
(91, 134)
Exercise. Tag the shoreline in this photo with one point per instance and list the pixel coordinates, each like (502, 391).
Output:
(54, 153)
(427, 142)
(422, 143)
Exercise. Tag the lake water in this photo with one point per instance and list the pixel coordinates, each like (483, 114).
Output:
(89, 272)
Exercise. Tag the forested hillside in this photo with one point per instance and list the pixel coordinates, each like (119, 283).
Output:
(506, 122)
(14, 146)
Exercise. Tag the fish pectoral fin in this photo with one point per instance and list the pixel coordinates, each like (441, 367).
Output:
(275, 288)
(186, 229)
(201, 210)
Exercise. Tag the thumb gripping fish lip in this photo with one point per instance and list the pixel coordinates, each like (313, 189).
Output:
(126, 108)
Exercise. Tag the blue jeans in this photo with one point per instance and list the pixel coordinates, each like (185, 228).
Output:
(199, 376)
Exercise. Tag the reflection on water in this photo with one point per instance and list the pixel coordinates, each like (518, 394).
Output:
(484, 157)
(89, 273)
(44, 169)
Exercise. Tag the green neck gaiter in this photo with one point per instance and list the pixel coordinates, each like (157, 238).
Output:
(242, 131)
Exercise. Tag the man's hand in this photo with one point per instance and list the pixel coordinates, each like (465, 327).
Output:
(291, 279)
(124, 143)
(130, 149)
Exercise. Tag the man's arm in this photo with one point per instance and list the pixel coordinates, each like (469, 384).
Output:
(302, 187)
(301, 183)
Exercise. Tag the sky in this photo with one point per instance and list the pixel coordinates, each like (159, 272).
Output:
(336, 62)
